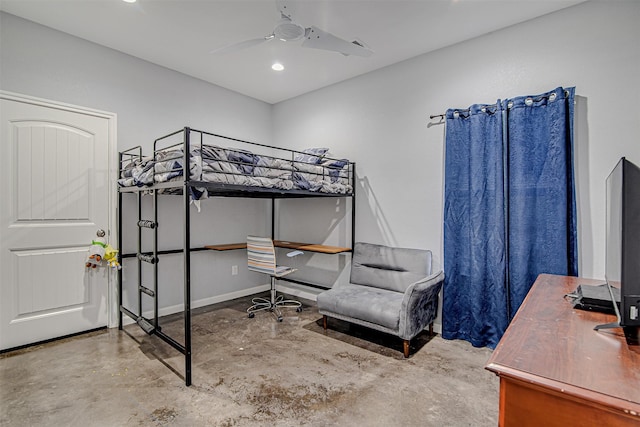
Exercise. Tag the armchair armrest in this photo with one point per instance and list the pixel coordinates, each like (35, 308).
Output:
(420, 305)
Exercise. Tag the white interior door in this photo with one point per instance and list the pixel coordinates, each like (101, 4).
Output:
(55, 185)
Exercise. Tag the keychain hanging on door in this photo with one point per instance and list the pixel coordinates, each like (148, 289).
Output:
(111, 257)
(96, 250)
(100, 252)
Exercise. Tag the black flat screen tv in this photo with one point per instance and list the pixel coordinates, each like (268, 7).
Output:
(622, 269)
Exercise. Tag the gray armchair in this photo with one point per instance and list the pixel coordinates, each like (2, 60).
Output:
(392, 290)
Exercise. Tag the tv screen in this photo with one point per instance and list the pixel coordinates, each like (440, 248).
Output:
(622, 268)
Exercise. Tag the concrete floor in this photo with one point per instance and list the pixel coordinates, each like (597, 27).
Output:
(248, 372)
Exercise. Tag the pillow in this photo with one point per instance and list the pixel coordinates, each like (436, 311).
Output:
(335, 163)
(311, 155)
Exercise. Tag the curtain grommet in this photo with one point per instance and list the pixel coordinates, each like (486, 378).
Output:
(552, 97)
(510, 104)
(456, 114)
(528, 102)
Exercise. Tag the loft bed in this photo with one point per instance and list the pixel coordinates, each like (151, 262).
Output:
(234, 171)
(219, 166)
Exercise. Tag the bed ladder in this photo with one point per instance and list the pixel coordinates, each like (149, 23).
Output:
(150, 326)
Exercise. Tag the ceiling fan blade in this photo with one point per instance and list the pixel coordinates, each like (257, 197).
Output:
(242, 45)
(318, 39)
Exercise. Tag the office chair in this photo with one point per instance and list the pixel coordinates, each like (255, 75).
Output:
(261, 257)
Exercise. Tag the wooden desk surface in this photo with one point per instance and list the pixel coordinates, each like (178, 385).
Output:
(227, 246)
(325, 249)
(551, 345)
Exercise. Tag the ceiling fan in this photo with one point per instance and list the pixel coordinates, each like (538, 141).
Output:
(288, 30)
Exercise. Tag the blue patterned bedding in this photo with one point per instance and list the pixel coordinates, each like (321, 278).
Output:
(213, 164)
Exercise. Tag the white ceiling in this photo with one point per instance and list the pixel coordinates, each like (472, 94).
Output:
(179, 34)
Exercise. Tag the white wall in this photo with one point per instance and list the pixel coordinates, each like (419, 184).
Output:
(380, 120)
(150, 101)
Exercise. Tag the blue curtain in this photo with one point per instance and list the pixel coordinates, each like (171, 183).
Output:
(509, 209)
(542, 211)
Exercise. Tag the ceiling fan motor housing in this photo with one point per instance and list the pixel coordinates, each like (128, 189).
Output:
(288, 31)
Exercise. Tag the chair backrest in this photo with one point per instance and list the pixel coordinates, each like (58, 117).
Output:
(261, 255)
(388, 268)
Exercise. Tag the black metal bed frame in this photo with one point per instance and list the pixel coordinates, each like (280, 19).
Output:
(184, 185)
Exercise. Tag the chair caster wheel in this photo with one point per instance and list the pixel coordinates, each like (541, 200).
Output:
(299, 309)
(279, 319)
(252, 315)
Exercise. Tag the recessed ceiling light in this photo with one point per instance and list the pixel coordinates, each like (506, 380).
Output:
(129, 1)
(277, 66)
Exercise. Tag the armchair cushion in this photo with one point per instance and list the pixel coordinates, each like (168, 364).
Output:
(365, 303)
(388, 268)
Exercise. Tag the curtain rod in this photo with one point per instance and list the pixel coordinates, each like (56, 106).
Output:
(528, 101)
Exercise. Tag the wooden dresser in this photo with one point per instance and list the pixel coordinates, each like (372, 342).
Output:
(555, 370)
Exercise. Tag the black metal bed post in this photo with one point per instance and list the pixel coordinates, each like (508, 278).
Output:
(353, 206)
(119, 255)
(187, 258)
(273, 217)
(139, 201)
(156, 324)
